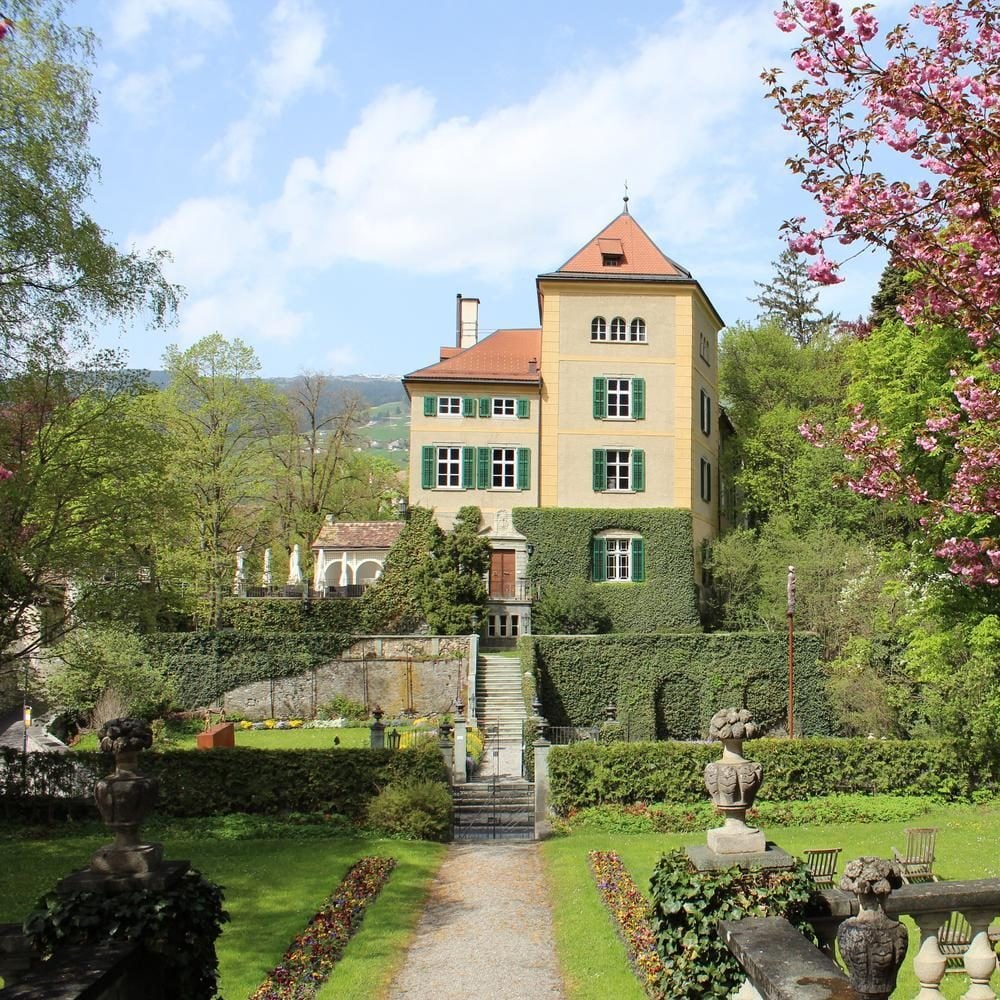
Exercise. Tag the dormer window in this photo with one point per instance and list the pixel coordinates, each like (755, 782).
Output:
(612, 252)
(598, 328)
(611, 259)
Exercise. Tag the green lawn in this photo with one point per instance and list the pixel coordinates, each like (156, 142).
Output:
(263, 739)
(272, 888)
(593, 959)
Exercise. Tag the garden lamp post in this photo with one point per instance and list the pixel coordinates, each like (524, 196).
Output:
(791, 652)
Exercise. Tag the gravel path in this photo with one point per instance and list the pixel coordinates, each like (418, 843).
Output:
(486, 930)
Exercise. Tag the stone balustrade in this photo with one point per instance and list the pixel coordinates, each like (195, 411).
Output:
(763, 948)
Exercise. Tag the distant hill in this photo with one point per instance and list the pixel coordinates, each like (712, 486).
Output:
(374, 389)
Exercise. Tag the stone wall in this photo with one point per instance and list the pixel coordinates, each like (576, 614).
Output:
(418, 673)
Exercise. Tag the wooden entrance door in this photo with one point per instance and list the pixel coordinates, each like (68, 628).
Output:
(502, 573)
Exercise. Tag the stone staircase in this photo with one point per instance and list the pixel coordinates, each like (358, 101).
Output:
(494, 809)
(499, 701)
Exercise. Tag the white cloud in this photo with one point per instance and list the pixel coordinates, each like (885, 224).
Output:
(140, 94)
(131, 19)
(521, 182)
(293, 67)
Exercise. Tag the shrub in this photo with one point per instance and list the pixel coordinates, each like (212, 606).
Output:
(696, 962)
(588, 774)
(574, 607)
(474, 744)
(340, 707)
(417, 811)
(176, 926)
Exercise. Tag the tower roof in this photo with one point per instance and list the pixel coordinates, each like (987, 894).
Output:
(623, 247)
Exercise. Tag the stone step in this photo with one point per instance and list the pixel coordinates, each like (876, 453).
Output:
(470, 833)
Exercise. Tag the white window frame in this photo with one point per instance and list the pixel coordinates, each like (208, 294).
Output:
(503, 465)
(504, 406)
(622, 395)
(618, 564)
(706, 413)
(619, 329)
(449, 406)
(448, 460)
(705, 348)
(705, 480)
(598, 328)
(622, 482)
(637, 331)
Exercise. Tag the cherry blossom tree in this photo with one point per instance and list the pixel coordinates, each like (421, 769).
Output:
(902, 152)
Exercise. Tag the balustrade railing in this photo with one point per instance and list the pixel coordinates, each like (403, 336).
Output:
(763, 947)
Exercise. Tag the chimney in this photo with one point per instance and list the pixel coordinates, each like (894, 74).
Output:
(466, 322)
(533, 365)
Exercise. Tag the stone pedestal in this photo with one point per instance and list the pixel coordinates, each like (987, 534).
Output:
(704, 859)
(461, 750)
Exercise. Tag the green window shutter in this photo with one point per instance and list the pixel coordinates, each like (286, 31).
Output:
(484, 468)
(639, 398)
(523, 468)
(638, 560)
(523, 408)
(485, 406)
(600, 470)
(430, 406)
(468, 468)
(600, 398)
(427, 467)
(638, 470)
(468, 406)
(598, 560)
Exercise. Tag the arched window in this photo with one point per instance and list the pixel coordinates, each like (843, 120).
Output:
(637, 330)
(598, 328)
(618, 328)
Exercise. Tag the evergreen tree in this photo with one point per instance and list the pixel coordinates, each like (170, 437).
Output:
(790, 299)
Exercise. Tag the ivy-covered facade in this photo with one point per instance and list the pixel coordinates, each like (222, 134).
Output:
(607, 412)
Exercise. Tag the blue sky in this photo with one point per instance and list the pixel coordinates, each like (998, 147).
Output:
(327, 176)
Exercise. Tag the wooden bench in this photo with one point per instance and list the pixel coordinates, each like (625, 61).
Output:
(221, 735)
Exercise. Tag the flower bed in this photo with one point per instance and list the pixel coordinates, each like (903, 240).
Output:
(310, 958)
(631, 914)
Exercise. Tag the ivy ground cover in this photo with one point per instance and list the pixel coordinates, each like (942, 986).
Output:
(591, 954)
(272, 888)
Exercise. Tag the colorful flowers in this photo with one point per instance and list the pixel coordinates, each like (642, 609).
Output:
(631, 914)
(310, 958)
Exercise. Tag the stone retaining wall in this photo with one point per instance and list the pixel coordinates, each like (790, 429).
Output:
(420, 673)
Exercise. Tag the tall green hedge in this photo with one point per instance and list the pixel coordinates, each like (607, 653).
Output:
(669, 686)
(205, 665)
(666, 601)
(216, 782)
(282, 615)
(588, 774)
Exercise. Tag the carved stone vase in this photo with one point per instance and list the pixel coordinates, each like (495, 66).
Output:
(733, 783)
(872, 944)
(125, 798)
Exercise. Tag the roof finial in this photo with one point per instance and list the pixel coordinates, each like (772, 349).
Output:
(625, 199)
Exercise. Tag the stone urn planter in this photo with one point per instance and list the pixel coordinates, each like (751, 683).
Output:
(872, 944)
(733, 782)
(125, 798)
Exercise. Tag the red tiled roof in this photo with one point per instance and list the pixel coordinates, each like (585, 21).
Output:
(624, 238)
(358, 535)
(503, 356)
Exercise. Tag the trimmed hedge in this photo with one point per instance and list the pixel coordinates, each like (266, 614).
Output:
(665, 602)
(277, 616)
(590, 774)
(221, 781)
(669, 686)
(205, 665)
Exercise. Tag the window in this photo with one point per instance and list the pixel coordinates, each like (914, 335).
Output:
(598, 328)
(504, 464)
(637, 331)
(706, 481)
(618, 557)
(706, 413)
(503, 407)
(619, 470)
(619, 398)
(449, 406)
(619, 394)
(502, 626)
(449, 468)
(611, 259)
(705, 348)
(618, 328)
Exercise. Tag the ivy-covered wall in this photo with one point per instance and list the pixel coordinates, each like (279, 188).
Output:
(278, 615)
(666, 601)
(669, 686)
